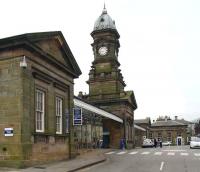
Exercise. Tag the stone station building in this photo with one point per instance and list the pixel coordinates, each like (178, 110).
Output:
(37, 73)
(106, 83)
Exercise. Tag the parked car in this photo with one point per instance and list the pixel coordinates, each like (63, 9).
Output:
(195, 142)
(147, 143)
(166, 143)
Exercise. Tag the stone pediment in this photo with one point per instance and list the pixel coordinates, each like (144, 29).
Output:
(53, 47)
(50, 45)
(130, 97)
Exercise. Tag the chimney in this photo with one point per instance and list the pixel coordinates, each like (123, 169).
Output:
(80, 94)
(176, 117)
(166, 118)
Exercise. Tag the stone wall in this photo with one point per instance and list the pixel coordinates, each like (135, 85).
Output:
(174, 130)
(17, 110)
(11, 91)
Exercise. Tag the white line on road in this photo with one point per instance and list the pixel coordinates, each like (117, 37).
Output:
(120, 153)
(197, 154)
(133, 153)
(175, 150)
(171, 153)
(161, 166)
(158, 153)
(184, 154)
(110, 153)
(145, 153)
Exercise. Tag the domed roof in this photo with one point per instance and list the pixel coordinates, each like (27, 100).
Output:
(104, 22)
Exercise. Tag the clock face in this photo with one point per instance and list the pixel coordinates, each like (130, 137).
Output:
(103, 51)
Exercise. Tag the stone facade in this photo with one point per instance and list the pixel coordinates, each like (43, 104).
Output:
(51, 69)
(139, 137)
(169, 130)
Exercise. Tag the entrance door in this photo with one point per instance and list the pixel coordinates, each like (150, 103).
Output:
(179, 141)
(106, 138)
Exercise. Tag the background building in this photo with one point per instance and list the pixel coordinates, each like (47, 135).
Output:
(166, 129)
(37, 72)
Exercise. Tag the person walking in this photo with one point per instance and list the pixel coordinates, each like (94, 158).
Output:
(160, 143)
(122, 145)
(155, 142)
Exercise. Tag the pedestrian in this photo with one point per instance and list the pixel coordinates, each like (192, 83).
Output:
(122, 144)
(124, 140)
(160, 143)
(155, 142)
(98, 143)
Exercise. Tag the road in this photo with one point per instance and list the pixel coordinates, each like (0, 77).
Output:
(166, 159)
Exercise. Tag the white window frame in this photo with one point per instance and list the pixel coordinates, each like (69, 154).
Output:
(39, 110)
(59, 115)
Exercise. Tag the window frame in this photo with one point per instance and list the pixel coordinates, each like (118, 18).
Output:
(59, 114)
(169, 136)
(40, 110)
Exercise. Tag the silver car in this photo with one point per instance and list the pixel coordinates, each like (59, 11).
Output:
(195, 142)
(147, 143)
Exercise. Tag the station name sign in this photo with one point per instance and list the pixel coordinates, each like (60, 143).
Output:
(77, 116)
(8, 132)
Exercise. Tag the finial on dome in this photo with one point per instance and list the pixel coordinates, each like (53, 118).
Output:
(104, 9)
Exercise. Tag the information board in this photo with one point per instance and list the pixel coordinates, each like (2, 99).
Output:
(77, 116)
(8, 132)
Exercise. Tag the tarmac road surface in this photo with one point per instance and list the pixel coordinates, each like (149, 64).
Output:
(166, 159)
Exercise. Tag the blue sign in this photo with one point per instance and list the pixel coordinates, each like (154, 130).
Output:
(77, 119)
(8, 131)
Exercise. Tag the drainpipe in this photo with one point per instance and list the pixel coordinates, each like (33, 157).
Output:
(133, 132)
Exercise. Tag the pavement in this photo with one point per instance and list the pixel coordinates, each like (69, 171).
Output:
(85, 159)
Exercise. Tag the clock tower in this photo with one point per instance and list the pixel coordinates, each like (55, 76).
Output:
(106, 83)
(105, 77)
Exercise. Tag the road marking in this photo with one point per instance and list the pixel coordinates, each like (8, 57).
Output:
(133, 153)
(161, 166)
(158, 153)
(145, 153)
(184, 154)
(110, 153)
(120, 153)
(175, 150)
(197, 154)
(171, 153)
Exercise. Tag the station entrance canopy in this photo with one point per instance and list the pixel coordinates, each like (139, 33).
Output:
(101, 112)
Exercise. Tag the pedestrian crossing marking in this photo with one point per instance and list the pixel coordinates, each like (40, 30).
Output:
(120, 153)
(184, 154)
(145, 153)
(133, 153)
(158, 153)
(171, 153)
(108, 153)
(154, 153)
(174, 150)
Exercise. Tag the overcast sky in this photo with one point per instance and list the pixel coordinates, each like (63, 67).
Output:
(159, 53)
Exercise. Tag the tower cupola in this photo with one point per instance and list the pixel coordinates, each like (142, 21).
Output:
(104, 21)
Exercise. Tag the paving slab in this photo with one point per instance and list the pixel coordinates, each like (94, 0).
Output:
(82, 161)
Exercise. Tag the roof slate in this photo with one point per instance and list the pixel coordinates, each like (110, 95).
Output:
(167, 123)
(141, 121)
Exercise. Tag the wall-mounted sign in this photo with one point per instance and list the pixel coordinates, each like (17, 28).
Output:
(77, 116)
(8, 131)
